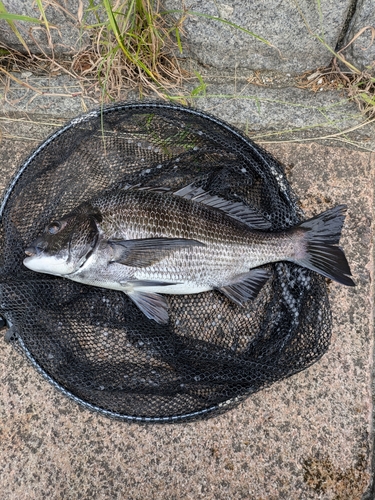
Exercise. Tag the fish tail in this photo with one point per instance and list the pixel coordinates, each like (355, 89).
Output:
(321, 253)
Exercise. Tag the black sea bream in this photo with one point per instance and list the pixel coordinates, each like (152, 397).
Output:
(146, 242)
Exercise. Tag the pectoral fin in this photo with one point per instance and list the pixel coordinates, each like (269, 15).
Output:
(145, 252)
(153, 305)
(245, 287)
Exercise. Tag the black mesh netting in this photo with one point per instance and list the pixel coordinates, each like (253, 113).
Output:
(94, 344)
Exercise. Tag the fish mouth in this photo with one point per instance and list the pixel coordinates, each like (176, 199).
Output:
(32, 251)
(36, 248)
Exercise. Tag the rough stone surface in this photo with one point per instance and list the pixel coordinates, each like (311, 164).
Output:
(261, 108)
(66, 37)
(308, 437)
(216, 43)
(361, 52)
(59, 96)
(280, 22)
(269, 113)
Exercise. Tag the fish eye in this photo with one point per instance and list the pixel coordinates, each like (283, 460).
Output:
(54, 227)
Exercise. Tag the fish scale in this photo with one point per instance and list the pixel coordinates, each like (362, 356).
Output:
(231, 250)
(146, 242)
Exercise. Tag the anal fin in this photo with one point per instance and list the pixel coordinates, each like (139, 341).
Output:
(245, 287)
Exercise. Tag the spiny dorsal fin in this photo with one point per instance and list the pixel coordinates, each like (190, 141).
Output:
(139, 187)
(235, 209)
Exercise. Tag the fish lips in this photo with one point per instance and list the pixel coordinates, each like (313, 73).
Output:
(37, 247)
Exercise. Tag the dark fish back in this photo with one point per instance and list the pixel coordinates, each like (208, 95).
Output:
(143, 214)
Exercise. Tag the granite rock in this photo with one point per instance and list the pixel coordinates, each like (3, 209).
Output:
(278, 112)
(361, 52)
(282, 23)
(307, 437)
(66, 36)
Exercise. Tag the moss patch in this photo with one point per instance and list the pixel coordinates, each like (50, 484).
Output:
(321, 475)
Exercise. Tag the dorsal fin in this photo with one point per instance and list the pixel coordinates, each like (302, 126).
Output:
(139, 187)
(235, 209)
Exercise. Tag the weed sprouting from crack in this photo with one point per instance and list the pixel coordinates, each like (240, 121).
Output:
(131, 45)
(358, 85)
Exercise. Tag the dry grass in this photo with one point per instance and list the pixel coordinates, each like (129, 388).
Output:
(358, 85)
(359, 88)
(131, 46)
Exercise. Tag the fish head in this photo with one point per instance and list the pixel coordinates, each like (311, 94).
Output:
(65, 244)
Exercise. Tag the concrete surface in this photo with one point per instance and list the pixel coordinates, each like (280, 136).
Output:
(305, 438)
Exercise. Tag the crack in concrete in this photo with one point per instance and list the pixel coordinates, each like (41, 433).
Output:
(350, 15)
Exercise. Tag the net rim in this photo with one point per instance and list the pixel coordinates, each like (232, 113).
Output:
(86, 117)
(119, 107)
(119, 416)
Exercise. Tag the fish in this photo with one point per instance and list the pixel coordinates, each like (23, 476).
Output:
(150, 242)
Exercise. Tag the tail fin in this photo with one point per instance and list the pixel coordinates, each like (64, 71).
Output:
(322, 233)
